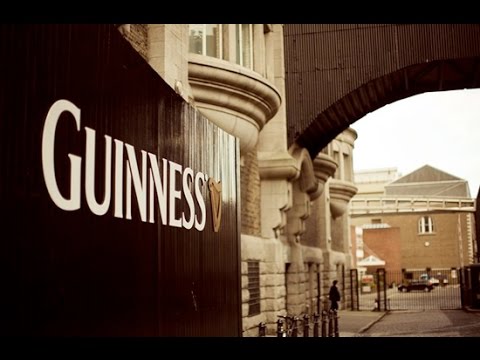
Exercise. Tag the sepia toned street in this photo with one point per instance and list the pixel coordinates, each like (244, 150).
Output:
(210, 180)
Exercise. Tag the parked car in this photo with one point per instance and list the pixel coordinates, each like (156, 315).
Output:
(443, 279)
(423, 285)
(426, 277)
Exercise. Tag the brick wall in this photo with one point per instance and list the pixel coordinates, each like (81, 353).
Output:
(443, 246)
(250, 194)
(138, 38)
(386, 244)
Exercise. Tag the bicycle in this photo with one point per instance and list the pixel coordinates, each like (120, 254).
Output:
(288, 327)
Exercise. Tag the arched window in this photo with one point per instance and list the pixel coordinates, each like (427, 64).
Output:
(425, 225)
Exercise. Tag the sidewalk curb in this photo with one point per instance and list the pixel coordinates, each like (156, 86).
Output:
(470, 309)
(371, 323)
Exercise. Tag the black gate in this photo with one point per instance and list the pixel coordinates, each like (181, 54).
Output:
(406, 290)
(354, 295)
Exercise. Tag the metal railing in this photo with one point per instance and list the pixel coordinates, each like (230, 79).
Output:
(386, 205)
(288, 326)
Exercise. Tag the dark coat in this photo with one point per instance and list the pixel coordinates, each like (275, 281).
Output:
(334, 294)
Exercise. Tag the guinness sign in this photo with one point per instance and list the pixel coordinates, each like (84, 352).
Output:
(145, 188)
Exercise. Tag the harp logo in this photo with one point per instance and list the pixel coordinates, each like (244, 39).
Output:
(215, 202)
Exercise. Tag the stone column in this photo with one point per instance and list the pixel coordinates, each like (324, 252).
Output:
(324, 222)
(269, 36)
(229, 42)
(277, 167)
(258, 49)
(168, 55)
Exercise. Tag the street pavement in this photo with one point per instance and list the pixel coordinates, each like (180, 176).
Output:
(377, 334)
(354, 323)
(409, 323)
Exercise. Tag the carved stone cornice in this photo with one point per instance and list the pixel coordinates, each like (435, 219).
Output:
(306, 175)
(323, 167)
(340, 194)
(277, 166)
(348, 136)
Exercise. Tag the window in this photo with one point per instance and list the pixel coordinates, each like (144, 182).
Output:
(254, 287)
(244, 34)
(336, 157)
(206, 39)
(347, 167)
(425, 225)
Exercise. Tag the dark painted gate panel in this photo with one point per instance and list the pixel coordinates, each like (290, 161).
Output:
(354, 290)
(76, 273)
(382, 290)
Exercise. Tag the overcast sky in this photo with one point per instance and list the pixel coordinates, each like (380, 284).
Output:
(441, 129)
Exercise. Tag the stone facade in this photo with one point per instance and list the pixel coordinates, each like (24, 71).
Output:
(293, 208)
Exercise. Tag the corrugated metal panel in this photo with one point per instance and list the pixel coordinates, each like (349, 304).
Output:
(76, 273)
(330, 63)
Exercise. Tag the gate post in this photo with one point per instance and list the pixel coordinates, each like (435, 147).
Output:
(279, 328)
(295, 326)
(262, 329)
(354, 295)
(306, 325)
(330, 323)
(324, 323)
(385, 307)
(460, 274)
(335, 323)
(315, 324)
(377, 300)
(381, 281)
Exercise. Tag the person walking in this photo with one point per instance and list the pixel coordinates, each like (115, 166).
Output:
(334, 296)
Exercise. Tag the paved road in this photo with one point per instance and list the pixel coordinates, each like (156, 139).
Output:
(430, 323)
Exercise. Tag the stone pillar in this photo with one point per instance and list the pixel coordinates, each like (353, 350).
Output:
(258, 49)
(341, 165)
(337, 234)
(269, 36)
(324, 223)
(274, 282)
(168, 55)
(229, 42)
(277, 167)
(296, 282)
(312, 288)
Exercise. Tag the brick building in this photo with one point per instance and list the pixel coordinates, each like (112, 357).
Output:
(428, 221)
(384, 242)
